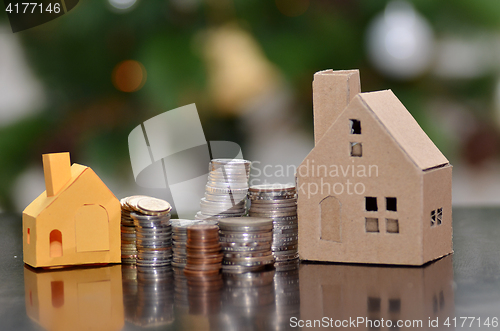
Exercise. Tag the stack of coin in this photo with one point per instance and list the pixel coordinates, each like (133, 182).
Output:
(278, 202)
(128, 233)
(204, 257)
(154, 232)
(179, 239)
(246, 243)
(226, 190)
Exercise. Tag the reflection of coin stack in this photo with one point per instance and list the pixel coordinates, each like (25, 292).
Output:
(287, 291)
(278, 202)
(246, 243)
(129, 278)
(181, 289)
(154, 233)
(179, 239)
(155, 297)
(128, 234)
(226, 190)
(248, 296)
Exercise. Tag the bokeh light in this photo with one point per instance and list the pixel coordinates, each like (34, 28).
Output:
(122, 5)
(129, 76)
(292, 8)
(400, 41)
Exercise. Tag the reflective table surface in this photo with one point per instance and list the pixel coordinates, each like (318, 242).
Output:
(443, 293)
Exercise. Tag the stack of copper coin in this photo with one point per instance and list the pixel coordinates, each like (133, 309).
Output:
(278, 202)
(246, 243)
(128, 233)
(204, 257)
(179, 239)
(204, 261)
(226, 190)
(154, 232)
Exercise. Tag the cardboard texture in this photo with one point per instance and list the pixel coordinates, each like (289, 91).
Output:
(79, 224)
(75, 299)
(341, 292)
(368, 190)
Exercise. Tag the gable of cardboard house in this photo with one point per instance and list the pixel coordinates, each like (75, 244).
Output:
(374, 185)
(75, 221)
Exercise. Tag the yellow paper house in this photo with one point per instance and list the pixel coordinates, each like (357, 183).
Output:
(375, 188)
(75, 221)
(75, 298)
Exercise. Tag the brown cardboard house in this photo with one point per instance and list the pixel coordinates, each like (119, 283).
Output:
(375, 188)
(75, 221)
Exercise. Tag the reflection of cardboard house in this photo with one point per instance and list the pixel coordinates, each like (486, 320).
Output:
(372, 292)
(375, 189)
(75, 221)
(75, 299)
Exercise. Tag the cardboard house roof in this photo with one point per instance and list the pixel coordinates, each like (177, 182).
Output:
(403, 128)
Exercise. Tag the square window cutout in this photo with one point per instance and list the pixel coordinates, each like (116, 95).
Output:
(392, 225)
(356, 149)
(371, 204)
(391, 204)
(355, 126)
(371, 224)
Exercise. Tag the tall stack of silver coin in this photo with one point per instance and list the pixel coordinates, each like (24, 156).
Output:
(226, 189)
(246, 243)
(128, 233)
(278, 202)
(154, 232)
(179, 239)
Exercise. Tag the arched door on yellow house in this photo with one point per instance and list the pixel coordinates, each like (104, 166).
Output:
(92, 229)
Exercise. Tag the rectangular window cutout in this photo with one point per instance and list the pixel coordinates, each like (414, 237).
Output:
(391, 204)
(439, 217)
(371, 224)
(433, 217)
(373, 305)
(371, 204)
(28, 236)
(355, 126)
(392, 225)
(356, 149)
(394, 305)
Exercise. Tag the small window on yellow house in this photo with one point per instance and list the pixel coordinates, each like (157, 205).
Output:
(28, 236)
(56, 243)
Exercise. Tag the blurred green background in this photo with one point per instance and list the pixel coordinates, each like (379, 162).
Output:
(64, 85)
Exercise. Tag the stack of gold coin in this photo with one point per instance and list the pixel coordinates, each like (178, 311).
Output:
(153, 230)
(179, 239)
(128, 233)
(203, 250)
(226, 190)
(246, 243)
(278, 202)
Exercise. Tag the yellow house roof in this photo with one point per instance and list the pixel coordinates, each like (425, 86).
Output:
(404, 129)
(42, 201)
